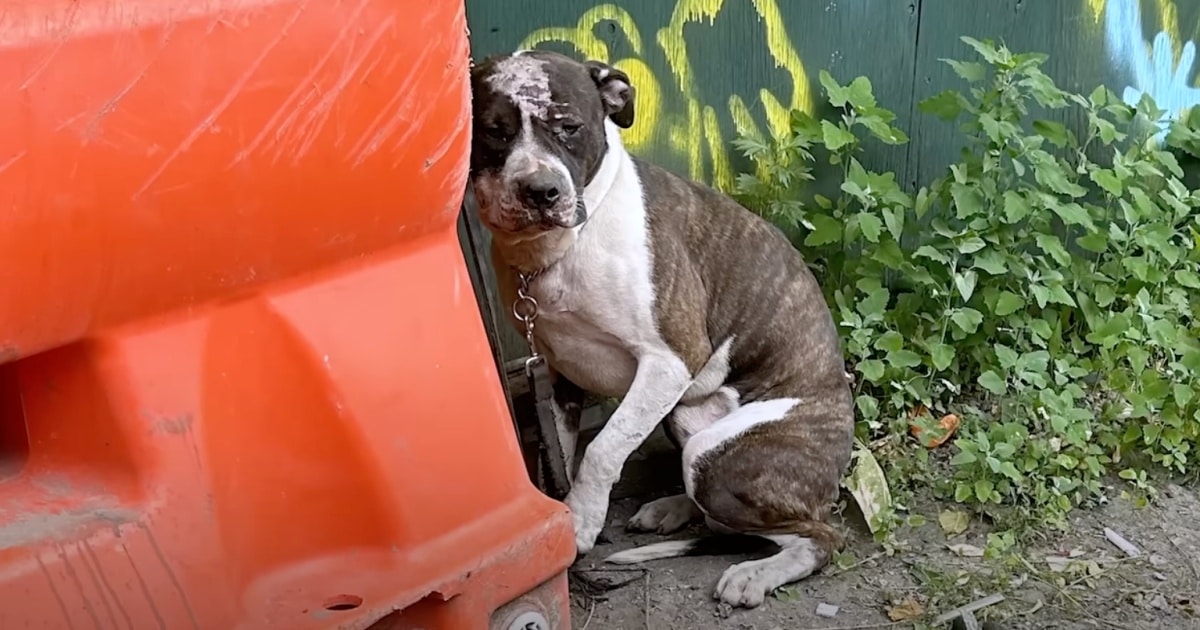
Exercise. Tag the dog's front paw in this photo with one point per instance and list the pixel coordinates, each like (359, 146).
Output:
(588, 518)
(664, 515)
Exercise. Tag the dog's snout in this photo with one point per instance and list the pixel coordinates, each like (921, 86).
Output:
(541, 189)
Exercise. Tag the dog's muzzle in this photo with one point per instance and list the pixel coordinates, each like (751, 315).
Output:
(544, 193)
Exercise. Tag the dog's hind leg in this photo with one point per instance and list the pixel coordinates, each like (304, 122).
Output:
(772, 469)
(669, 514)
(665, 515)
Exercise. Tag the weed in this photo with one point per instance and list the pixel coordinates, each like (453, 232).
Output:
(1045, 289)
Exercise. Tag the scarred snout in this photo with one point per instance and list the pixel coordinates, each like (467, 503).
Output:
(547, 194)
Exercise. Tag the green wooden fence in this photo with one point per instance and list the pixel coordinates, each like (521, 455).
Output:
(707, 70)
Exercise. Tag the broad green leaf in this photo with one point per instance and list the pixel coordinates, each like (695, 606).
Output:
(894, 219)
(963, 458)
(1050, 174)
(837, 94)
(859, 95)
(903, 358)
(946, 105)
(1050, 244)
(874, 303)
(1009, 470)
(1182, 394)
(991, 261)
(967, 319)
(1108, 180)
(1016, 206)
(871, 369)
(985, 48)
(1058, 294)
(993, 382)
(1008, 303)
(1007, 356)
(1187, 278)
(1105, 295)
(1041, 295)
(942, 355)
(925, 251)
(834, 136)
(826, 230)
(1072, 214)
(968, 201)
(1055, 132)
(971, 244)
(984, 489)
(1114, 327)
(871, 226)
(965, 282)
(890, 341)
(1096, 242)
(970, 71)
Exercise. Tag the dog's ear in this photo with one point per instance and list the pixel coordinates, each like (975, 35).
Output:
(616, 92)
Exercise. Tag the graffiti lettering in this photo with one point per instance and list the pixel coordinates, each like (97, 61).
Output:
(690, 128)
(1161, 68)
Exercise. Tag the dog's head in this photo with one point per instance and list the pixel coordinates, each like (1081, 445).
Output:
(539, 137)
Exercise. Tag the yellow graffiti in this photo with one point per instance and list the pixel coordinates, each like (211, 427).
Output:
(695, 130)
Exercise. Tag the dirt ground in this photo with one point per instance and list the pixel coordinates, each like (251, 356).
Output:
(1087, 582)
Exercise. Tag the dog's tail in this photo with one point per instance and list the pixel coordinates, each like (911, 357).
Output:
(715, 545)
(827, 539)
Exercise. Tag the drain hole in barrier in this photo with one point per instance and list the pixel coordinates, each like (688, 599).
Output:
(343, 602)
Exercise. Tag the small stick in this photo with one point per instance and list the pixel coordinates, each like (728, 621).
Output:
(1121, 543)
(591, 611)
(866, 626)
(646, 599)
(990, 600)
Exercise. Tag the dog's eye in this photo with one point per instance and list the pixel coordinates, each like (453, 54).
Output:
(571, 128)
(495, 132)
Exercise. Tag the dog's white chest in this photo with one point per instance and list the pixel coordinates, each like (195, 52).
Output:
(596, 304)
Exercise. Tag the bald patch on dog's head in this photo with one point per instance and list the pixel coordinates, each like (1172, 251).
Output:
(524, 80)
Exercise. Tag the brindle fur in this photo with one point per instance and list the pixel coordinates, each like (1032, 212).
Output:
(722, 271)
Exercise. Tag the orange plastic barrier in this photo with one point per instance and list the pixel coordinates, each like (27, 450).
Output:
(243, 379)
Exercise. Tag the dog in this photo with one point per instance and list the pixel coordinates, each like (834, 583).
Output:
(674, 298)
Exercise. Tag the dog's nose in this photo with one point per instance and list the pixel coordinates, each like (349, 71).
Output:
(540, 190)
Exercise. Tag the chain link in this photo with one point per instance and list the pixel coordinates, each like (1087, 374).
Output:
(525, 309)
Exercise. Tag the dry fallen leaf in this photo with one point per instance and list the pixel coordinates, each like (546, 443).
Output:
(906, 610)
(941, 431)
(954, 522)
(868, 485)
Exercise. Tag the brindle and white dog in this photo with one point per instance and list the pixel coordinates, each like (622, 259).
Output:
(666, 294)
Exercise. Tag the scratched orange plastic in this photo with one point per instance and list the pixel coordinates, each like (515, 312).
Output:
(243, 380)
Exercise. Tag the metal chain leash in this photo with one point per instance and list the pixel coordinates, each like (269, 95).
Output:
(556, 479)
(525, 309)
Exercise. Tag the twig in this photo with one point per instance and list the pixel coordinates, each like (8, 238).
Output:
(840, 570)
(591, 611)
(1036, 607)
(866, 626)
(978, 604)
(646, 599)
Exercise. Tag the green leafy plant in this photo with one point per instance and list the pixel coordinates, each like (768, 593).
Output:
(1045, 287)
